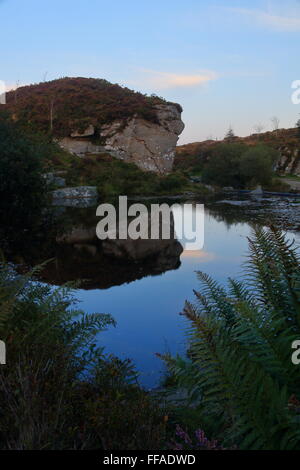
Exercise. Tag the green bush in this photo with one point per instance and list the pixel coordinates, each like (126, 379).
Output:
(241, 383)
(173, 182)
(256, 165)
(223, 167)
(240, 166)
(22, 187)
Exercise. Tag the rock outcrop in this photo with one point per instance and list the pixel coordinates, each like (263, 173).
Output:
(150, 145)
(289, 162)
(91, 115)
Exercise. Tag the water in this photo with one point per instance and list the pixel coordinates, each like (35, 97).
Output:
(147, 310)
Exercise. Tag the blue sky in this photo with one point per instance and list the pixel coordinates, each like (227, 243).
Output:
(227, 62)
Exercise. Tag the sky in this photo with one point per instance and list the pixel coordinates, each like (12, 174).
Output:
(227, 62)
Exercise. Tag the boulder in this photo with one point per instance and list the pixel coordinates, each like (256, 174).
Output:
(258, 192)
(53, 179)
(85, 192)
(195, 179)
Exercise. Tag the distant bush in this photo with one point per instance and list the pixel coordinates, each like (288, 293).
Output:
(188, 163)
(223, 167)
(256, 165)
(240, 166)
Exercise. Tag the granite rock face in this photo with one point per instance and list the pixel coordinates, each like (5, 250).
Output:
(80, 146)
(289, 161)
(150, 145)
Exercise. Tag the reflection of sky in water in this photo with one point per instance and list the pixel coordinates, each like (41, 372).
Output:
(147, 310)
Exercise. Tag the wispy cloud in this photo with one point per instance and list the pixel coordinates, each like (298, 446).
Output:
(272, 21)
(163, 80)
(202, 256)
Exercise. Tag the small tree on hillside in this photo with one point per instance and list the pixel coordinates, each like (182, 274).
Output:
(230, 134)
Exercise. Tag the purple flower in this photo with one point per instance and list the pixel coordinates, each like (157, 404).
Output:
(183, 435)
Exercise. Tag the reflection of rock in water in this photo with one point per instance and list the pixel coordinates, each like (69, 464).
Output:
(77, 254)
(139, 250)
(80, 256)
